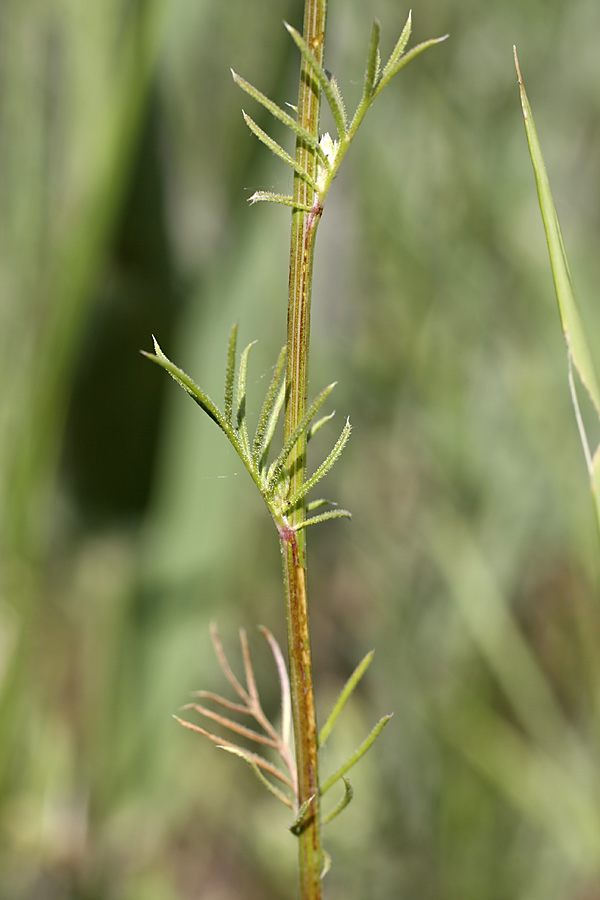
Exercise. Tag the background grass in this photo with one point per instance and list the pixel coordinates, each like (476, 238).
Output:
(471, 561)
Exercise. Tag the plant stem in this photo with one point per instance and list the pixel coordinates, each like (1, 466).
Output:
(293, 544)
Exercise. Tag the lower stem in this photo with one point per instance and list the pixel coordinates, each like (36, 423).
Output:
(303, 712)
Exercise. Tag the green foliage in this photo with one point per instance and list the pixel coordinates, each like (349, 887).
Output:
(272, 479)
(330, 152)
(576, 335)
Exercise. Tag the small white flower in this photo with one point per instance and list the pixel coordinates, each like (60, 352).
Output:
(330, 149)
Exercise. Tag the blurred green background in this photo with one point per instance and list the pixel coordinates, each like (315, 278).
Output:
(126, 525)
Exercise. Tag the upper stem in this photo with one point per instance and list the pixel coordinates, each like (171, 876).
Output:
(304, 226)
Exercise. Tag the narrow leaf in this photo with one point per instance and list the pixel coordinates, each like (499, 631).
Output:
(301, 819)
(231, 724)
(222, 743)
(262, 436)
(339, 100)
(271, 425)
(317, 504)
(230, 374)
(325, 466)
(400, 46)
(249, 673)
(323, 517)
(339, 113)
(366, 744)
(190, 386)
(348, 795)
(247, 758)
(371, 72)
(345, 693)
(225, 667)
(278, 464)
(284, 683)
(280, 114)
(240, 414)
(282, 199)
(388, 74)
(278, 150)
(318, 424)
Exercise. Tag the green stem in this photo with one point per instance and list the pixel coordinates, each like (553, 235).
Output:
(293, 544)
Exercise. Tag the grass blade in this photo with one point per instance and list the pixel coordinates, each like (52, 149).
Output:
(578, 349)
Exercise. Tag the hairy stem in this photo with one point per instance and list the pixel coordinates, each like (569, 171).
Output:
(293, 544)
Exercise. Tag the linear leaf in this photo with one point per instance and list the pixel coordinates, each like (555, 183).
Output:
(316, 504)
(400, 46)
(388, 74)
(240, 414)
(237, 751)
(318, 424)
(280, 114)
(339, 113)
(371, 73)
(340, 100)
(271, 425)
(282, 199)
(360, 752)
(188, 384)
(267, 420)
(222, 743)
(230, 374)
(325, 466)
(231, 724)
(348, 795)
(278, 464)
(345, 694)
(301, 819)
(284, 684)
(278, 150)
(323, 517)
